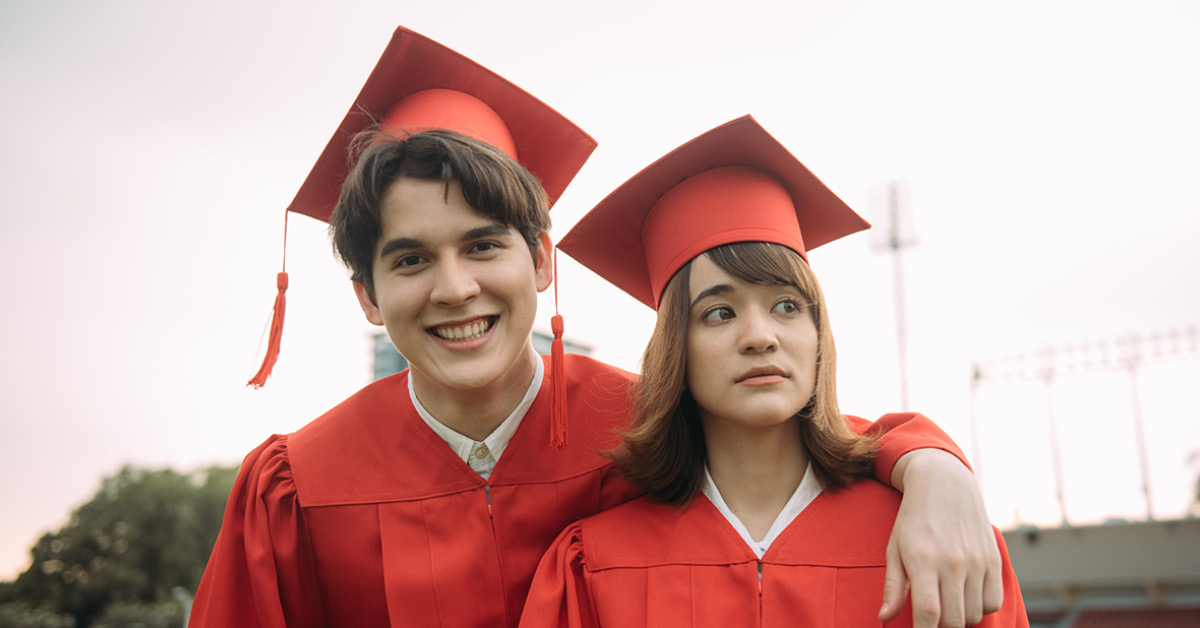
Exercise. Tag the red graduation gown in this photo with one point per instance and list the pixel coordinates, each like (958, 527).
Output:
(365, 517)
(649, 564)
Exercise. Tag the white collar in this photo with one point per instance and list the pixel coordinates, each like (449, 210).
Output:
(497, 441)
(808, 490)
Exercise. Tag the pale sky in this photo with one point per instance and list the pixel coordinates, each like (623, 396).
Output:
(1048, 151)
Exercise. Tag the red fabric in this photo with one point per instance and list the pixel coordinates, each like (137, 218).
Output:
(549, 145)
(449, 109)
(715, 207)
(652, 249)
(899, 433)
(649, 564)
(365, 517)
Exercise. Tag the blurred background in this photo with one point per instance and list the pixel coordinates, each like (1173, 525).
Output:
(1030, 283)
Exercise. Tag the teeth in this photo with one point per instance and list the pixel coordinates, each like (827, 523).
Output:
(465, 332)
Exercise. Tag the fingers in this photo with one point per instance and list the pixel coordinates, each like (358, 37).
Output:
(927, 602)
(950, 557)
(973, 599)
(967, 587)
(895, 586)
(993, 585)
(962, 580)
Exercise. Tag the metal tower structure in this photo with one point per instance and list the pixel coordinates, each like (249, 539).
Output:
(1128, 353)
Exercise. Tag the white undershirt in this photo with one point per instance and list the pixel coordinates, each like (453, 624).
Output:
(808, 490)
(482, 456)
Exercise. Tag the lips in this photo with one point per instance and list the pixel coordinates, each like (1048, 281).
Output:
(762, 373)
(469, 330)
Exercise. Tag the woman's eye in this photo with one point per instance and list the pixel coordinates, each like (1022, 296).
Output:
(717, 315)
(786, 307)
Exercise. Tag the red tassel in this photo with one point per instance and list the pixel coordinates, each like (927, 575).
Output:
(264, 371)
(558, 413)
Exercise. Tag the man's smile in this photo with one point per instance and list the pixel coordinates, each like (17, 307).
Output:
(469, 330)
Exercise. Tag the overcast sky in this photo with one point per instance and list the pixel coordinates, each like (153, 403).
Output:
(1048, 152)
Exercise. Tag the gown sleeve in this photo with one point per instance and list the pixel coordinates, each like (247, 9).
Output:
(615, 489)
(260, 574)
(899, 433)
(559, 596)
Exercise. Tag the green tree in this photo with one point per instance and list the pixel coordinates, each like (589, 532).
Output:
(144, 532)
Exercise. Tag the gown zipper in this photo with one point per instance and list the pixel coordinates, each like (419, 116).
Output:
(760, 595)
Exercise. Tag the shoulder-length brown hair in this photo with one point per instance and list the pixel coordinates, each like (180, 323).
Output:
(663, 453)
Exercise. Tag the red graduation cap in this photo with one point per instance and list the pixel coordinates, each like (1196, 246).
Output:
(734, 183)
(419, 84)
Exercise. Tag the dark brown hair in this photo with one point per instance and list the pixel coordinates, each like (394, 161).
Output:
(493, 184)
(663, 453)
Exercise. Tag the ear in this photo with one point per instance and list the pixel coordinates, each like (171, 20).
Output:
(543, 261)
(367, 302)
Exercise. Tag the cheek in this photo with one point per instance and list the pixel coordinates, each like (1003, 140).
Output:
(401, 300)
(700, 360)
(513, 280)
(811, 351)
(691, 361)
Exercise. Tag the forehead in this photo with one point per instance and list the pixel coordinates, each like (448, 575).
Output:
(705, 273)
(422, 204)
(707, 278)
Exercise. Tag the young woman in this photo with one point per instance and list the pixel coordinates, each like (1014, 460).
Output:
(760, 510)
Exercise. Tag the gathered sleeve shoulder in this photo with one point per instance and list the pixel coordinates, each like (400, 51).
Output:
(899, 433)
(560, 596)
(261, 574)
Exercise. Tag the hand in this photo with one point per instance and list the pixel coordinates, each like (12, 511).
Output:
(942, 545)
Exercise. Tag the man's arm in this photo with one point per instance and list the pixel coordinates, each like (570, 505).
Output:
(942, 546)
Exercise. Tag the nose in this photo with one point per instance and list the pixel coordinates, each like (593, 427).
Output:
(758, 334)
(454, 284)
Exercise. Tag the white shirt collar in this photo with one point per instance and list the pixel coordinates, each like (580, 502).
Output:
(808, 490)
(482, 456)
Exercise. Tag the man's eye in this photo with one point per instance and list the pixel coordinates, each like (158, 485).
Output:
(408, 261)
(717, 315)
(484, 247)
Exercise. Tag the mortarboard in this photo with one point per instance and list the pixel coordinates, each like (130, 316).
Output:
(419, 84)
(734, 183)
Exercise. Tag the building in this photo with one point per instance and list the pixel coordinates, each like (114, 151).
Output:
(1126, 574)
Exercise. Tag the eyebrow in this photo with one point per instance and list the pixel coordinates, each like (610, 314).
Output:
(486, 231)
(721, 288)
(399, 243)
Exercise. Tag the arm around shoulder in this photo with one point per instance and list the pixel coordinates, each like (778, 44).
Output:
(901, 433)
(942, 551)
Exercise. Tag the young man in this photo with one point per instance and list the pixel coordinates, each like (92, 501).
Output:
(428, 497)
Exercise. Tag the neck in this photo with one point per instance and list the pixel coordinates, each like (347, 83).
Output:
(757, 470)
(477, 412)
